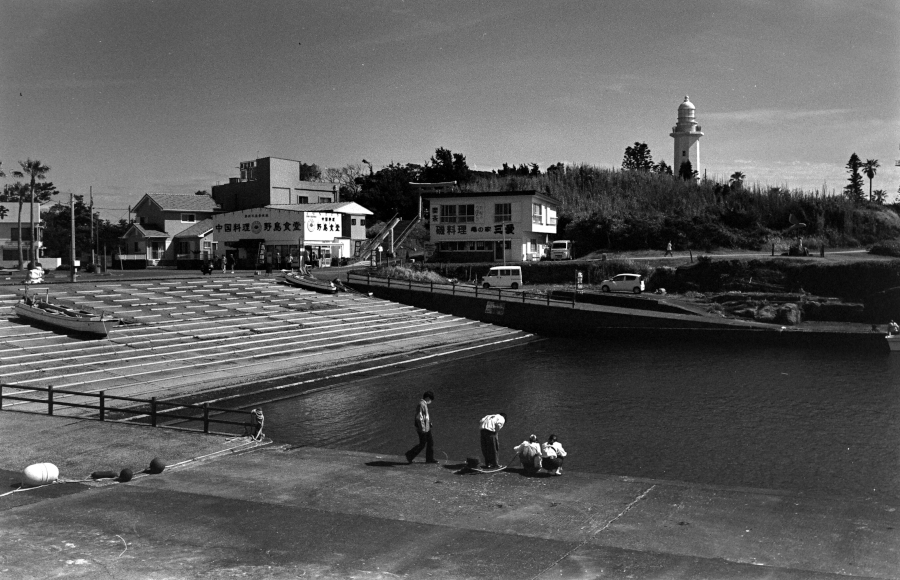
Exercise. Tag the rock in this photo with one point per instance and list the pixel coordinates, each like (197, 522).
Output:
(788, 314)
(766, 314)
(745, 313)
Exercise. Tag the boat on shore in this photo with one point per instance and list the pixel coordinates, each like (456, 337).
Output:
(308, 282)
(41, 311)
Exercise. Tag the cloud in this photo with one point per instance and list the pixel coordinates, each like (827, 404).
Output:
(776, 116)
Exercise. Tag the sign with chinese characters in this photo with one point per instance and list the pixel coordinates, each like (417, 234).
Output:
(461, 230)
(277, 225)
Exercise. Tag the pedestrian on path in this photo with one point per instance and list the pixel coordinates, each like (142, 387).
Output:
(490, 438)
(552, 454)
(423, 429)
(230, 260)
(668, 249)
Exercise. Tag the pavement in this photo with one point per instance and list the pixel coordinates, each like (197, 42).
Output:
(229, 508)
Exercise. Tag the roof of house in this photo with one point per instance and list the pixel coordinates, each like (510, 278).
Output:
(528, 192)
(349, 207)
(179, 202)
(198, 230)
(142, 232)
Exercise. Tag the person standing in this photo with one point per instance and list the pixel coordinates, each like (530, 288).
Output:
(552, 454)
(668, 249)
(490, 438)
(423, 428)
(229, 259)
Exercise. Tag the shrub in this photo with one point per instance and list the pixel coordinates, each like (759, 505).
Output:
(886, 248)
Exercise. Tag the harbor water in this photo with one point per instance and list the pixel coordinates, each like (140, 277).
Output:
(811, 420)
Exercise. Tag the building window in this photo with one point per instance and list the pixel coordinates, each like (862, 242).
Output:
(184, 247)
(502, 212)
(533, 247)
(324, 200)
(188, 218)
(458, 213)
(352, 221)
(302, 199)
(14, 235)
(142, 220)
(207, 245)
(684, 153)
(537, 213)
(137, 247)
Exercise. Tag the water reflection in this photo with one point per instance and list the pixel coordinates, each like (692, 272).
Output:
(814, 420)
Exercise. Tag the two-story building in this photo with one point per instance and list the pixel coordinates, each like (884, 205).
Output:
(159, 217)
(491, 226)
(274, 234)
(271, 181)
(10, 234)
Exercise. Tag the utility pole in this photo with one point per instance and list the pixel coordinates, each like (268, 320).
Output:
(72, 221)
(92, 224)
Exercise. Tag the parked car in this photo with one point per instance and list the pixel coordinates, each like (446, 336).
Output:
(624, 283)
(503, 276)
(561, 250)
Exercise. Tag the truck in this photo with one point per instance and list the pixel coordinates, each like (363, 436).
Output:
(561, 250)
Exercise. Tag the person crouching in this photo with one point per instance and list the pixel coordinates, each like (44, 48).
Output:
(529, 453)
(552, 454)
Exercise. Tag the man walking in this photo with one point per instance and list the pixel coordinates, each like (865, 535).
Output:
(668, 249)
(490, 438)
(423, 428)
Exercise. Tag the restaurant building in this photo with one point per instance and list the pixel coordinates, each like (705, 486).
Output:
(274, 234)
(491, 226)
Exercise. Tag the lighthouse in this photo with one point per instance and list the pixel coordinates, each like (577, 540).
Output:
(687, 137)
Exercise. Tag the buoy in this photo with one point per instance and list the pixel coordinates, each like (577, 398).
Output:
(103, 475)
(40, 474)
(156, 465)
(125, 475)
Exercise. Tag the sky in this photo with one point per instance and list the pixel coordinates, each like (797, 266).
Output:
(129, 97)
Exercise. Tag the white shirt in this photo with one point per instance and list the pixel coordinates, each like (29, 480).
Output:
(492, 422)
(552, 450)
(526, 448)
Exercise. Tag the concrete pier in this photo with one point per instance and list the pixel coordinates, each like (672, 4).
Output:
(228, 508)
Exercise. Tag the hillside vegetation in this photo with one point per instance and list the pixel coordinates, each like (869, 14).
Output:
(633, 210)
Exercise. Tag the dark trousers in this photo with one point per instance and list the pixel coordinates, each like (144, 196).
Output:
(490, 447)
(425, 442)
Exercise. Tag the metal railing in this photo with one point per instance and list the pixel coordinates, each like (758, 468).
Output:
(519, 295)
(152, 408)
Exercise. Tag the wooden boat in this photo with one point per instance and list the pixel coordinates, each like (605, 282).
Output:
(893, 341)
(43, 312)
(308, 282)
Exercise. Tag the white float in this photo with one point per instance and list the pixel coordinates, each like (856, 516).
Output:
(40, 474)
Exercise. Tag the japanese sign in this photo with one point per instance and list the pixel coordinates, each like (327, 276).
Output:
(277, 225)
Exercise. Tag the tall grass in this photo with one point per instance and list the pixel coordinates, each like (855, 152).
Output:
(631, 208)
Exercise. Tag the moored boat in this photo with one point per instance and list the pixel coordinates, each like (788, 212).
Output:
(308, 282)
(893, 341)
(43, 312)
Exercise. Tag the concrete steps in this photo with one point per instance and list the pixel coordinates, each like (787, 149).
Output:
(189, 337)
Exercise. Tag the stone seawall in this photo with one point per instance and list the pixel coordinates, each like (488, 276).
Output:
(559, 318)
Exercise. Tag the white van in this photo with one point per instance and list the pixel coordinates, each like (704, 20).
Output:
(503, 277)
(561, 250)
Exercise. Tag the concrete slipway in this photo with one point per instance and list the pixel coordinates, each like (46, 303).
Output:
(229, 509)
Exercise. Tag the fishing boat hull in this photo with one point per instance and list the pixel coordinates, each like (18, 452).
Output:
(68, 319)
(308, 283)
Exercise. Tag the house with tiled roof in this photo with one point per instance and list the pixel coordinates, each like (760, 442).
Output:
(158, 219)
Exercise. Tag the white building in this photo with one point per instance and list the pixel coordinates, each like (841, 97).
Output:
(491, 226)
(687, 138)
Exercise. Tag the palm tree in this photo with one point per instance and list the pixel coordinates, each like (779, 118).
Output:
(869, 168)
(880, 196)
(737, 179)
(36, 171)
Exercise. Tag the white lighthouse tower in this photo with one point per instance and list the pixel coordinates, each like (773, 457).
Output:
(687, 137)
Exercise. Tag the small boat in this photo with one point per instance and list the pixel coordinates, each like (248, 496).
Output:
(308, 282)
(43, 312)
(893, 341)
